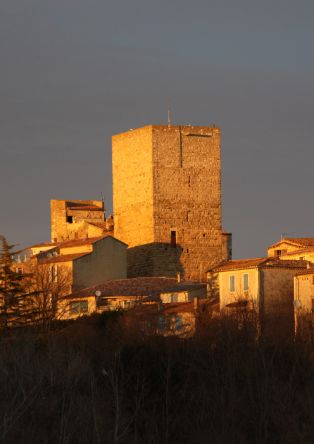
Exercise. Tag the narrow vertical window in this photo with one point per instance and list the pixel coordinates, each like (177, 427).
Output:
(245, 282)
(232, 283)
(173, 239)
(53, 273)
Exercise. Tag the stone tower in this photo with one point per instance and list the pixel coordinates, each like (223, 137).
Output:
(77, 219)
(167, 200)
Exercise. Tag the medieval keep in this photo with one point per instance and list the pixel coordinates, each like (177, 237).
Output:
(167, 200)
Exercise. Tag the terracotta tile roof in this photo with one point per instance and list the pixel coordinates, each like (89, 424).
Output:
(262, 262)
(141, 286)
(300, 251)
(78, 242)
(87, 241)
(298, 241)
(101, 225)
(240, 263)
(306, 271)
(43, 244)
(61, 258)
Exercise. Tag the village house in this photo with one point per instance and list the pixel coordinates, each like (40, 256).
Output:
(174, 303)
(304, 299)
(85, 261)
(260, 285)
(293, 248)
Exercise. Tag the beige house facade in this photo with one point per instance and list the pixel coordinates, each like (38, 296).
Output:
(86, 261)
(264, 285)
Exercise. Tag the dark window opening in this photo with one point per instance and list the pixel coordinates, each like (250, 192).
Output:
(204, 234)
(173, 239)
(70, 219)
(78, 307)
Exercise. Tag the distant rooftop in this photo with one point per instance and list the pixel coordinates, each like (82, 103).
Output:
(268, 262)
(141, 286)
(298, 241)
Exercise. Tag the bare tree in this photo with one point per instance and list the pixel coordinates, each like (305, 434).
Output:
(46, 284)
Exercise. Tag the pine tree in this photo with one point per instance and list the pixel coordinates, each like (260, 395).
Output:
(11, 286)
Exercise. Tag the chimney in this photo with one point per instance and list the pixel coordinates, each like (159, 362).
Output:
(178, 277)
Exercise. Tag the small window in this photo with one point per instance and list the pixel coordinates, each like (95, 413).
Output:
(78, 307)
(173, 239)
(245, 282)
(173, 298)
(70, 219)
(232, 283)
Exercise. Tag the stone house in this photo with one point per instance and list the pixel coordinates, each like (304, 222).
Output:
(85, 261)
(294, 248)
(78, 219)
(262, 285)
(124, 294)
(304, 299)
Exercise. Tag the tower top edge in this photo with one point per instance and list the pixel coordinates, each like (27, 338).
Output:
(148, 128)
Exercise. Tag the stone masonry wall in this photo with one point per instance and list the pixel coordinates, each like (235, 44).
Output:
(168, 179)
(187, 194)
(132, 168)
(61, 230)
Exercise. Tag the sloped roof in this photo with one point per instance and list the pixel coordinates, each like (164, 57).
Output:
(298, 241)
(61, 258)
(306, 271)
(43, 244)
(299, 251)
(265, 262)
(79, 242)
(101, 225)
(85, 208)
(141, 286)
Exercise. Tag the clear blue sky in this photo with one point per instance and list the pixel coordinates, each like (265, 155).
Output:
(74, 72)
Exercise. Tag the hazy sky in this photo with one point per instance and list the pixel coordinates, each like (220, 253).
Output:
(74, 72)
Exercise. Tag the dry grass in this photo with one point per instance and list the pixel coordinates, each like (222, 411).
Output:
(97, 381)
